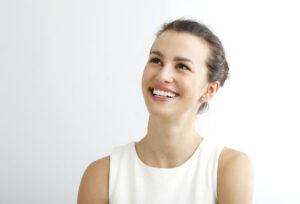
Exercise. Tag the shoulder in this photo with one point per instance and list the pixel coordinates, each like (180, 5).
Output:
(230, 156)
(94, 183)
(235, 177)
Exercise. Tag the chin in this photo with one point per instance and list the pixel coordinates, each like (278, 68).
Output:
(161, 113)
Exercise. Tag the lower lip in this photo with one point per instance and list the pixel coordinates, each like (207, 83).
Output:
(157, 98)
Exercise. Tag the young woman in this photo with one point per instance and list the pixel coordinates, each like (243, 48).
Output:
(172, 163)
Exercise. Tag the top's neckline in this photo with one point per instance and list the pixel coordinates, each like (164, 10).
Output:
(168, 169)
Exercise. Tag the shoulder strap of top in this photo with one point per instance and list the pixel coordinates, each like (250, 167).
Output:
(211, 152)
(120, 155)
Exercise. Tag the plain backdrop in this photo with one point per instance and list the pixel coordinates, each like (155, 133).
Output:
(70, 89)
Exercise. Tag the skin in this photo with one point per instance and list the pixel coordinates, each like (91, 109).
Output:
(176, 61)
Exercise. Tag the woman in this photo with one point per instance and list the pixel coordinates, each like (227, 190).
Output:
(173, 163)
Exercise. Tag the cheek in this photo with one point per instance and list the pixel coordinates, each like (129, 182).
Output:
(145, 78)
(201, 89)
(201, 82)
(194, 88)
(147, 75)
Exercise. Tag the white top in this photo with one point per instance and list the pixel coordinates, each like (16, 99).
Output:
(133, 182)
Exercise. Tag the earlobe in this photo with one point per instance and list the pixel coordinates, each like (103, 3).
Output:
(203, 98)
(211, 90)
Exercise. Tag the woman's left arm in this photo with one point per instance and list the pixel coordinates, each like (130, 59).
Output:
(235, 178)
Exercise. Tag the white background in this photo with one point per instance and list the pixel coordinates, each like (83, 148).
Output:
(70, 89)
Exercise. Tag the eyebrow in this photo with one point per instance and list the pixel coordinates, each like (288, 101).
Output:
(177, 58)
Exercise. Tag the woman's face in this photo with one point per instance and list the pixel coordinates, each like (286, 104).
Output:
(177, 66)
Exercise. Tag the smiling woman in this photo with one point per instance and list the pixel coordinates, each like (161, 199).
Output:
(177, 62)
(172, 163)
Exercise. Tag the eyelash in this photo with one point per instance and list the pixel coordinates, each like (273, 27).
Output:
(155, 60)
(180, 65)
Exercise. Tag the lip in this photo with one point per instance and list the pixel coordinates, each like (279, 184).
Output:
(157, 98)
(163, 89)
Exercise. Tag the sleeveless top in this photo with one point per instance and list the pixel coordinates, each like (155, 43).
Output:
(133, 182)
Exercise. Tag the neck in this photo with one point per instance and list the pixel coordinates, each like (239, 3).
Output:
(168, 143)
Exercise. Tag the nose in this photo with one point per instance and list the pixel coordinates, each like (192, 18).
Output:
(165, 74)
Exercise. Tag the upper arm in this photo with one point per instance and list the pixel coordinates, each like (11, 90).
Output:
(235, 178)
(94, 183)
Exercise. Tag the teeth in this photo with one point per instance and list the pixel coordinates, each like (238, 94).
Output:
(163, 93)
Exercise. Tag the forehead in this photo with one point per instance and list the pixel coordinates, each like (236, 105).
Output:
(172, 43)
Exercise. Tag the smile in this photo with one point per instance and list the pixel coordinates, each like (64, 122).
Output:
(157, 92)
(159, 95)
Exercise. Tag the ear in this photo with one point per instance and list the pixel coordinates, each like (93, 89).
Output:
(211, 90)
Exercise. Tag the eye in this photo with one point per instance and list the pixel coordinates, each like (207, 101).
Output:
(182, 66)
(155, 60)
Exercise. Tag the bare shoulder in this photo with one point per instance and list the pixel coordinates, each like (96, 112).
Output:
(235, 177)
(94, 183)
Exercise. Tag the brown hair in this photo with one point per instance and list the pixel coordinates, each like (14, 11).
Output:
(216, 63)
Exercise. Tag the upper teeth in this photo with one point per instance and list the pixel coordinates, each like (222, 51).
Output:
(163, 93)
